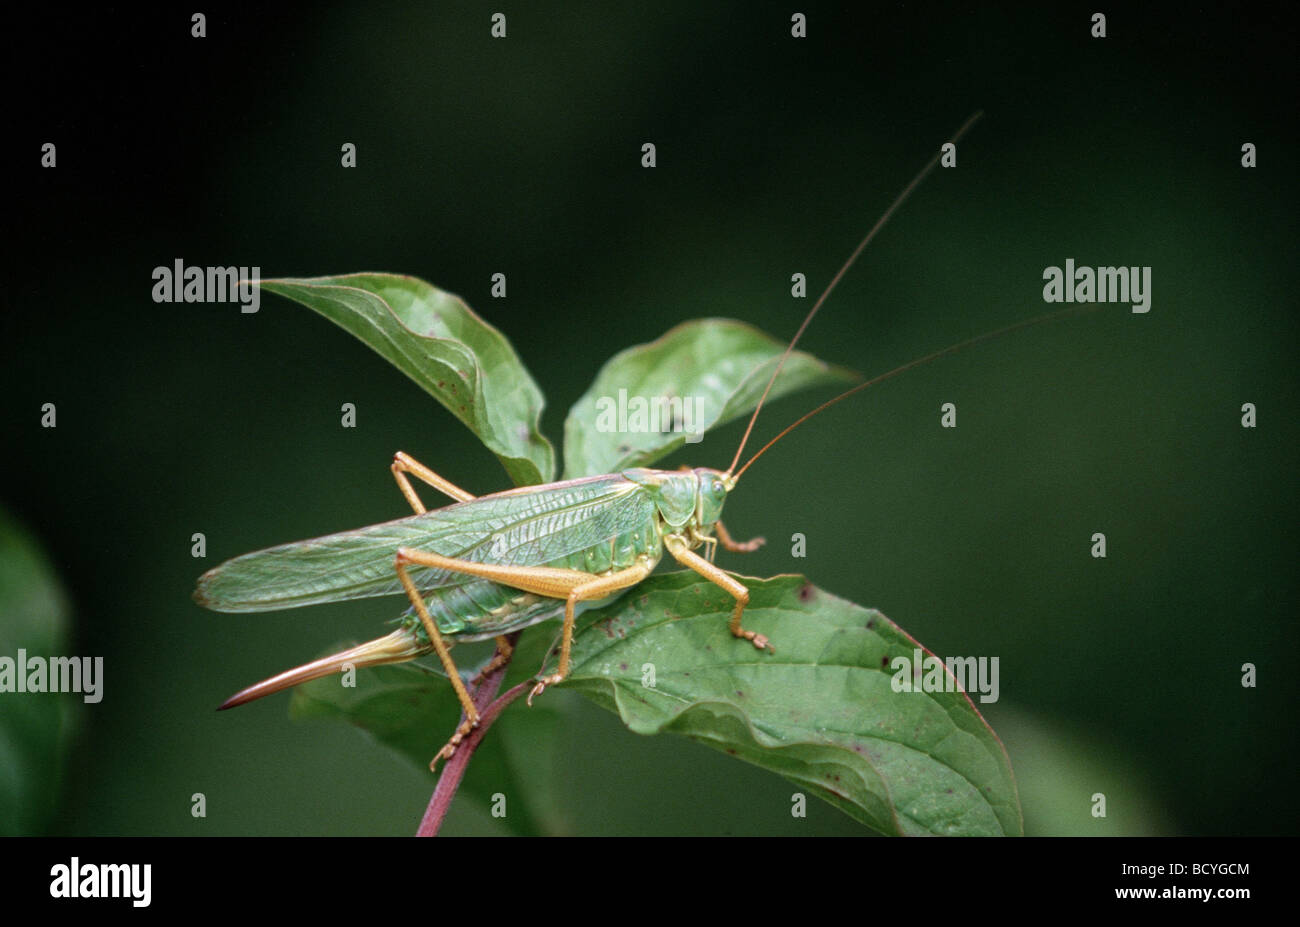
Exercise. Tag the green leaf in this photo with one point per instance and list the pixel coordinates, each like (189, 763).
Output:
(820, 711)
(711, 370)
(35, 727)
(441, 344)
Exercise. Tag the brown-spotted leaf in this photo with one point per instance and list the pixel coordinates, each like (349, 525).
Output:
(824, 710)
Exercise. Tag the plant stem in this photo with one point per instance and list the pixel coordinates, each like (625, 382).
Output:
(454, 769)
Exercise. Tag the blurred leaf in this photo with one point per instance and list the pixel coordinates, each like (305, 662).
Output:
(1060, 772)
(716, 366)
(413, 711)
(35, 727)
(441, 344)
(820, 711)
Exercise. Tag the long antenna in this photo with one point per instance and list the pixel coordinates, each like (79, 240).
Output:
(880, 223)
(951, 349)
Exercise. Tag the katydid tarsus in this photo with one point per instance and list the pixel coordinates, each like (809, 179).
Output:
(487, 566)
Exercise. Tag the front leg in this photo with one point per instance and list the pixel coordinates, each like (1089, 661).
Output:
(738, 547)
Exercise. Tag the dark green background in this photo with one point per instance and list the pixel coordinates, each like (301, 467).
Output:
(521, 155)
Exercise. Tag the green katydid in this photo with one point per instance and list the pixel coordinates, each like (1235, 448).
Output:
(487, 566)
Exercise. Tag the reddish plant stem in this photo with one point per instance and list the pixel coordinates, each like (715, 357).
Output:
(489, 709)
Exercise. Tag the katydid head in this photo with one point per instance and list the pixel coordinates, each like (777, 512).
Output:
(712, 493)
(685, 496)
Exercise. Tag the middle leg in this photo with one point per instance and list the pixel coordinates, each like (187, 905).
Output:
(688, 558)
(598, 588)
(573, 586)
